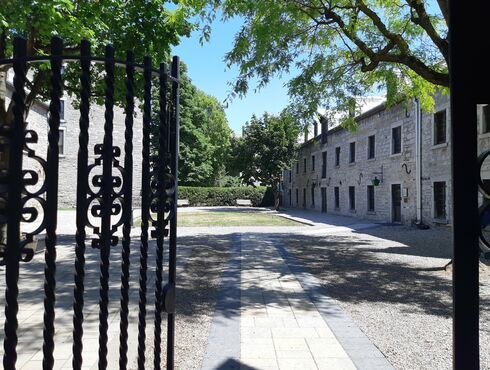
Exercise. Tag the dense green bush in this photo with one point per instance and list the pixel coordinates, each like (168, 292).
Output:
(260, 196)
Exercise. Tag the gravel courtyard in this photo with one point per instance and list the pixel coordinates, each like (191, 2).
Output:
(391, 281)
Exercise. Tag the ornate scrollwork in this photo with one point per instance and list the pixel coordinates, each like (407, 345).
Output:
(95, 194)
(33, 197)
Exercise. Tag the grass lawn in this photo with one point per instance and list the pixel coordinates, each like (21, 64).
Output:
(224, 218)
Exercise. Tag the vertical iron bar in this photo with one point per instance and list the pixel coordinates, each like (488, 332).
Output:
(106, 206)
(14, 209)
(174, 165)
(52, 203)
(145, 213)
(465, 186)
(82, 207)
(127, 210)
(162, 163)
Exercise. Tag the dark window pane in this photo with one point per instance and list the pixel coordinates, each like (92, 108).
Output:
(352, 152)
(396, 135)
(370, 198)
(486, 119)
(312, 163)
(304, 164)
(324, 165)
(352, 198)
(371, 146)
(313, 196)
(337, 156)
(337, 197)
(440, 127)
(440, 199)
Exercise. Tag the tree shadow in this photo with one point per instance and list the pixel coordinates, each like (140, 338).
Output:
(353, 270)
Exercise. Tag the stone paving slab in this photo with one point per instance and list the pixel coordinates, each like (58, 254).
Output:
(285, 320)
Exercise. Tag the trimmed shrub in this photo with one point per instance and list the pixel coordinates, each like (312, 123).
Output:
(260, 196)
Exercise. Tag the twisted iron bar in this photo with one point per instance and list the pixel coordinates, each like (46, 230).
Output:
(82, 206)
(127, 211)
(52, 204)
(160, 222)
(106, 206)
(145, 214)
(12, 250)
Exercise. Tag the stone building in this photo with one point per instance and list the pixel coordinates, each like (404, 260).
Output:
(37, 120)
(395, 168)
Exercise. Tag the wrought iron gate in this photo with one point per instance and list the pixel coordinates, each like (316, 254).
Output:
(104, 195)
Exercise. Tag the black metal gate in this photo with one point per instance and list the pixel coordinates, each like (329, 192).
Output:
(104, 192)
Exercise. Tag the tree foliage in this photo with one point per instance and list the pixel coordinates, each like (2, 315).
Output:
(341, 48)
(268, 145)
(148, 27)
(204, 136)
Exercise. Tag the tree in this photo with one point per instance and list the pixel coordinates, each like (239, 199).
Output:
(204, 136)
(341, 48)
(268, 145)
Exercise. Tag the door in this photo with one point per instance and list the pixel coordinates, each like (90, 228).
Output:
(324, 200)
(396, 203)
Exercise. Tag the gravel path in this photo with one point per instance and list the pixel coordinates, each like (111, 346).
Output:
(198, 281)
(390, 280)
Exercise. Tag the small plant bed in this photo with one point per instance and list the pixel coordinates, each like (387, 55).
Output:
(230, 218)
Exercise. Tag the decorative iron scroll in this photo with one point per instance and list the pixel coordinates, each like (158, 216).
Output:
(104, 197)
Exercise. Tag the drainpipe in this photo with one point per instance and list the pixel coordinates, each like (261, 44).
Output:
(418, 160)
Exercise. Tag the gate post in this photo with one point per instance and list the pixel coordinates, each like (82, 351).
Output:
(470, 85)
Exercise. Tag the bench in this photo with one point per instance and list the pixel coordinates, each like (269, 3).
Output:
(182, 202)
(244, 202)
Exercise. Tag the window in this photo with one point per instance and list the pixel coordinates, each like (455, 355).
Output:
(61, 141)
(440, 127)
(312, 163)
(336, 194)
(304, 197)
(371, 147)
(440, 199)
(396, 140)
(290, 176)
(352, 152)
(290, 198)
(485, 117)
(370, 198)
(62, 110)
(297, 167)
(304, 165)
(297, 197)
(312, 196)
(352, 198)
(315, 129)
(337, 156)
(324, 165)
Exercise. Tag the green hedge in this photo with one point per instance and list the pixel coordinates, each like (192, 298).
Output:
(260, 196)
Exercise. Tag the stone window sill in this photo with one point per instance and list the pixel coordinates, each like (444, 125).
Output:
(352, 163)
(441, 221)
(394, 155)
(371, 159)
(438, 146)
(484, 135)
(371, 213)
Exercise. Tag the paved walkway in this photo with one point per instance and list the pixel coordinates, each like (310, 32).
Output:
(286, 320)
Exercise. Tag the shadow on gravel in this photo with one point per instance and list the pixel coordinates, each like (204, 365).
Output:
(434, 242)
(352, 272)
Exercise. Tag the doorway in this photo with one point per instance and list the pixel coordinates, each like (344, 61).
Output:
(396, 203)
(324, 200)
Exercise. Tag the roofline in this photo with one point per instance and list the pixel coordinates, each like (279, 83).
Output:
(369, 113)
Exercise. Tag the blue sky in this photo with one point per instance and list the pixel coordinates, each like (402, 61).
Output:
(209, 72)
